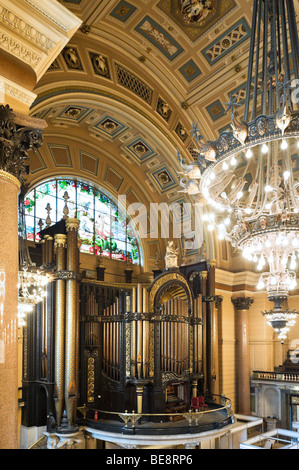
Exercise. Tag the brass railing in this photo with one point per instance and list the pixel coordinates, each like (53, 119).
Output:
(192, 417)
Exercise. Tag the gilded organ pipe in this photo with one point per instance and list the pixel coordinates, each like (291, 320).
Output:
(60, 286)
(139, 332)
(145, 334)
(71, 385)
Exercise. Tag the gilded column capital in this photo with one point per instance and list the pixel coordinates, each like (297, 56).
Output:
(72, 225)
(16, 140)
(60, 239)
(242, 303)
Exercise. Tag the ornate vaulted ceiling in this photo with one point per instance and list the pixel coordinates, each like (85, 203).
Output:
(122, 95)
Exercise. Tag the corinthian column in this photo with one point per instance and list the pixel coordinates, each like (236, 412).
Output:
(72, 315)
(242, 306)
(16, 138)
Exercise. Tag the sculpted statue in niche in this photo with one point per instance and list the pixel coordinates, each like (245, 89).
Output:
(171, 257)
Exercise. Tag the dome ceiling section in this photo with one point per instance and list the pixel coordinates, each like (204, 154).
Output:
(127, 139)
(94, 64)
(159, 44)
(81, 73)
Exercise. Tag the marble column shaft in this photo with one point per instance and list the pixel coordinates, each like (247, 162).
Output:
(242, 305)
(215, 328)
(9, 190)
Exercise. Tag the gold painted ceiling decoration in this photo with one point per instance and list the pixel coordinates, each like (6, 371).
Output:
(195, 17)
(195, 11)
(125, 90)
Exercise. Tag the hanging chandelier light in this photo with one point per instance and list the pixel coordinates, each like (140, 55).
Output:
(249, 176)
(32, 280)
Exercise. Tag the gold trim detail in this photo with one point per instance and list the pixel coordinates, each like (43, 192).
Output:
(8, 176)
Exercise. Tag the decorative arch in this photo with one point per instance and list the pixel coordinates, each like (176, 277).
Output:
(164, 282)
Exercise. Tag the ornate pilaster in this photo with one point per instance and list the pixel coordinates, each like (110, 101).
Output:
(242, 306)
(72, 323)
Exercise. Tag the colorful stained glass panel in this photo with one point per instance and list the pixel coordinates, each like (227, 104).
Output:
(102, 228)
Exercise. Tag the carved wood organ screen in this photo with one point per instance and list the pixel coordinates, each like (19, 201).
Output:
(140, 335)
(115, 347)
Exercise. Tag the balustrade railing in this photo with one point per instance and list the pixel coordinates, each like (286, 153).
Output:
(275, 376)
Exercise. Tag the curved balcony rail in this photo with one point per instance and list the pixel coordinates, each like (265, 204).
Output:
(218, 415)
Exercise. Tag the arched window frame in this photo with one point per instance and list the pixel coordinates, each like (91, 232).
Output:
(53, 196)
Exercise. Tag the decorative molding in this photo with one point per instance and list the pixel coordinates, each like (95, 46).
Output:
(19, 50)
(44, 13)
(36, 31)
(232, 38)
(153, 32)
(16, 91)
(25, 29)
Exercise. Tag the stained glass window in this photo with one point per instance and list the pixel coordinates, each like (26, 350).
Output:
(102, 227)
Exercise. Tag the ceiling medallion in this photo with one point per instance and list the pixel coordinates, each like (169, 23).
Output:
(195, 11)
(194, 17)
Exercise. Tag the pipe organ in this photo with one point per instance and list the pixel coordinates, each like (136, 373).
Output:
(140, 336)
(174, 336)
(116, 346)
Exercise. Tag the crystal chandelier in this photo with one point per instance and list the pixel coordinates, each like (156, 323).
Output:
(249, 176)
(32, 280)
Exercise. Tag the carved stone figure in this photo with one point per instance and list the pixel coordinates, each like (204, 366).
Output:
(171, 257)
